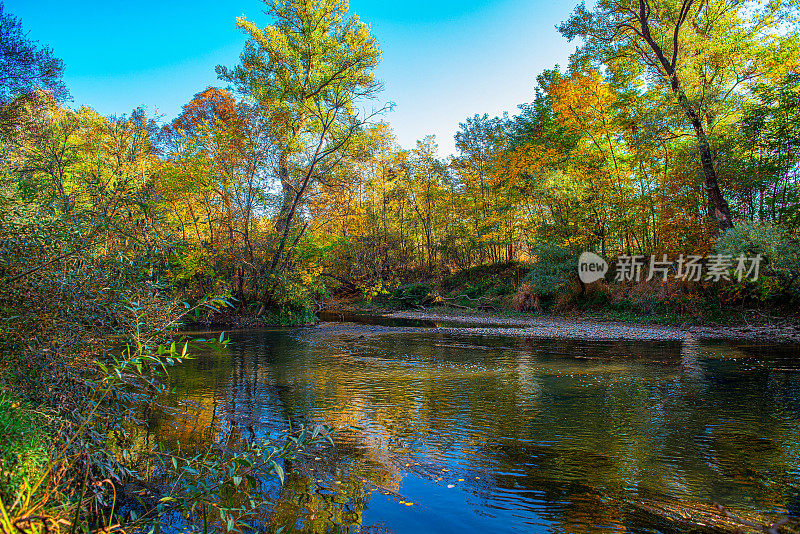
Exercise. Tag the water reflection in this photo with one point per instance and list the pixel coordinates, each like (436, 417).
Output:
(498, 434)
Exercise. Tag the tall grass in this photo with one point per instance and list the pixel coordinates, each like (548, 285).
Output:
(23, 446)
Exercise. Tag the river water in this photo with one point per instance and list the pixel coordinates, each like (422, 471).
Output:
(498, 434)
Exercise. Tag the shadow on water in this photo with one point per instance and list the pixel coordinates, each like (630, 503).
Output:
(493, 434)
(383, 320)
(373, 320)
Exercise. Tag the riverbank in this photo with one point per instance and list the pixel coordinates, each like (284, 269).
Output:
(245, 318)
(576, 327)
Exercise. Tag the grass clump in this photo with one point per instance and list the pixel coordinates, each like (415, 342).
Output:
(23, 446)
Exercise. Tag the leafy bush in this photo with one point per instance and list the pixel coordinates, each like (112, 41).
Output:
(554, 267)
(414, 294)
(292, 297)
(23, 447)
(780, 265)
(780, 251)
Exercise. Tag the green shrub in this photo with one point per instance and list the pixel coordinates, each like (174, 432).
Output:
(780, 251)
(292, 299)
(780, 265)
(413, 294)
(472, 290)
(554, 267)
(23, 447)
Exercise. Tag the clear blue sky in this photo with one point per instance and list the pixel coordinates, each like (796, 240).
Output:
(442, 61)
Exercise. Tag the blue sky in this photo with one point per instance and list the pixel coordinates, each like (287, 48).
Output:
(442, 61)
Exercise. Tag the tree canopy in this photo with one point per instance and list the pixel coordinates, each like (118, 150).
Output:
(672, 122)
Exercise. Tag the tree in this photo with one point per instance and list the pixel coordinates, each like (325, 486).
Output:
(218, 156)
(479, 140)
(306, 72)
(762, 153)
(703, 53)
(44, 147)
(24, 66)
(425, 188)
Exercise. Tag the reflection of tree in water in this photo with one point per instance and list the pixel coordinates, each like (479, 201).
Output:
(575, 430)
(314, 505)
(690, 352)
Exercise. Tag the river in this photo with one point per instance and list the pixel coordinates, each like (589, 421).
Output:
(500, 434)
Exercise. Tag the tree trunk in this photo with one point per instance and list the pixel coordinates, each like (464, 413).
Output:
(288, 196)
(718, 208)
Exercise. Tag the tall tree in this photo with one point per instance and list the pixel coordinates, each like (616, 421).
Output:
(307, 71)
(24, 65)
(703, 53)
(479, 140)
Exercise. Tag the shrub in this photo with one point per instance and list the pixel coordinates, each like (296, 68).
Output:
(571, 294)
(23, 447)
(553, 269)
(414, 294)
(291, 297)
(780, 265)
(780, 251)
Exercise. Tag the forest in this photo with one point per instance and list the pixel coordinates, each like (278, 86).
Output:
(668, 128)
(674, 129)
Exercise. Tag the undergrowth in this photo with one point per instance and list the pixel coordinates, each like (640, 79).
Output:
(86, 467)
(24, 445)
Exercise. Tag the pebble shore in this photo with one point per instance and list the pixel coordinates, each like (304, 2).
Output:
(584, 328)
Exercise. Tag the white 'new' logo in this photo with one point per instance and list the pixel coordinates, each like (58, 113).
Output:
(591, 267)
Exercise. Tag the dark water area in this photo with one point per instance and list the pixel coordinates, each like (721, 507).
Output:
(497, 434)
(373, 320)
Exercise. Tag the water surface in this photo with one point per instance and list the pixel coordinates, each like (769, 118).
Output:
(493, 434)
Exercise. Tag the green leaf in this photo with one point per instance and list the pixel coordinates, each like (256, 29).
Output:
(278, 471)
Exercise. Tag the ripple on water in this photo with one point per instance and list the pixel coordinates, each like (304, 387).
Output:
(491, 433)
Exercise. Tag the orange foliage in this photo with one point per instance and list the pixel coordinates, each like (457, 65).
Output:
(209, 106)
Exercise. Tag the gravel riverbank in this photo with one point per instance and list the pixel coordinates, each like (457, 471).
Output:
(487, 323)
